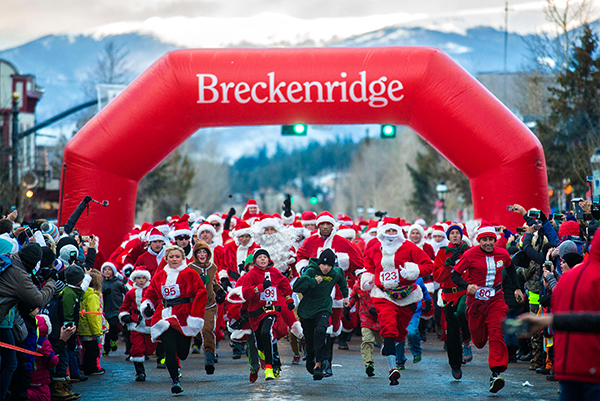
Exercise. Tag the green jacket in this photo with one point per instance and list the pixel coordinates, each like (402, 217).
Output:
(317, 297)
(71, 300)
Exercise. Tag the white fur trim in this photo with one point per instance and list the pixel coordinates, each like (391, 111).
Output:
(48, 322)
(337, 303)
(156, 238)
(222, 274)
(123, 314)
(184, 231)
(215, 217)
(410, 271)
(195, 323)
(486, 230)
(329, 330)
(140, 273)
(260, 225)
(347, 233)
(207, 227)
(158, 328)
(413, 297)
(301, 264)
(325, 219)
(367, 281)
(242, 231)
(336, 333)
(288, 220)
(305, 222)
(240, 334)
(235, 296)
(430, 287)
(296, 330)
(137, 359)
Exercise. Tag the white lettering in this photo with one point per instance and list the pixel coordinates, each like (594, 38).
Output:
(253, 94)
(275, 91)
(391, 90)
(225, 90)
(363, 88)
(238, 91)
(211, 88)
(319, 87)
(294, 87)
(375, 100)
(330, 86)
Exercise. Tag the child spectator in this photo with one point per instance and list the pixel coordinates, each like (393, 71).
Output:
(113, 291)
(90, 326)
(130, 314)
(39, 389)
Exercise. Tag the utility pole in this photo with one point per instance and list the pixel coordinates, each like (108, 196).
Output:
(15, 142)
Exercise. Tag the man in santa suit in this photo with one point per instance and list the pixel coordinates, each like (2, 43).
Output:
(236, 253)
(392, 269)
(223, 236)
(348, 258)
(301, 234)
(370, 234)
(251, 212)
(309, 220)
(438, 237)
(479, 270)
(349, 233)
(155, 253)
(129, 261)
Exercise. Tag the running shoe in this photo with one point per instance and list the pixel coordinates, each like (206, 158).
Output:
(467, 354)
(269, 375)
(496, 383)
(176, 387)
(370, 370)
(394, 376)
(296, 360)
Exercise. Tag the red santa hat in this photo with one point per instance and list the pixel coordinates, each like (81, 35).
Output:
(215, 217)
(155, 235)
(140, 272)
(325, 217)
(251, 202)
(162, 226)
(181, 227)
(438, 229)
(486, 229)
(266, 221)
(347, 232)
(308, 218)
(363, 223)
(277, 216)
(299, 229)
(206, 226)
(421, 222)
(242, 228)
(390, 222)
(345, 220)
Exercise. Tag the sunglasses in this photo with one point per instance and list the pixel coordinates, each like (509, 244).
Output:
(216, 224)
(182, 237)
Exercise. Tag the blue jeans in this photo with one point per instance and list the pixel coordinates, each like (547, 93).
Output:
(8, 361)
(579, 391)
(414, 339)
(73, 363)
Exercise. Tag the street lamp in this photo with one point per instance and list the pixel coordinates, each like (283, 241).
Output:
(441, 190)
(15, 140)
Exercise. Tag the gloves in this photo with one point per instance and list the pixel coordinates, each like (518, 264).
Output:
(234, 275)
(127, 319)
(287, 206)
(543, 217)
(127, 270)
(266, 283)
(220, 296)
(225, 283)
(428, 305)
(373, 311)
(455, 256)
(231, 212)
(148, 311)
(290, 303)
(346, 313)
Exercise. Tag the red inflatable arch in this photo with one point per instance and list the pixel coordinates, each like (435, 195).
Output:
(189, 89)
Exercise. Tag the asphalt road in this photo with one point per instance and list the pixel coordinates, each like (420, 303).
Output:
(428, 380)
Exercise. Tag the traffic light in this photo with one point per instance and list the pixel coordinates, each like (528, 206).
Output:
(297, 129)
(314, 200)
(388, 131)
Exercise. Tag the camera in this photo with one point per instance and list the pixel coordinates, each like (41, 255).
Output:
(380, 214)
(28, 232)
(533, 213)
(510, 208)
(520, 230)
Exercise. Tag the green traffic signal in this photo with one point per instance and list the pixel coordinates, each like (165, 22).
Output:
(314, 200)
(297, 129)
(388, 131)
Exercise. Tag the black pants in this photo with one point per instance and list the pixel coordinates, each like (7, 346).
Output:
(264, 338)
(91, 351)
(176, 345)
(315, 333)
(455, 326)
(113, 332)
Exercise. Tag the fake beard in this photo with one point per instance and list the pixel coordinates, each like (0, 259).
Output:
(279, 247)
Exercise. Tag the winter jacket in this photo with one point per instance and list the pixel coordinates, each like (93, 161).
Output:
(7, 322)
(43, 364)
(317, 296)
(365, 304)
(444, 262)
(16, 286)
(131, 307)
(90, 325)
(577, 355)
(113, 291)
(207, 272)
(71, 304)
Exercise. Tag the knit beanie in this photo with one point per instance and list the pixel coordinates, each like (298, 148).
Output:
(327, 257)
(30, 255)
(65, 252)
(572, 259)
(65, 241)
(74, 275)
(567, 247)
(47, 257)
(568, 228)
(259, 252)
(454, 226)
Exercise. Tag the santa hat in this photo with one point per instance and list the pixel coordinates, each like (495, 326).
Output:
(438, 229)
(251, 202)
(206, 226)
(325, 217)
(139, 272)
(215, 217)
(390, 222)
(455, 226)
(299, 229)
(181, 227)
(345, 220)
(347, 232)
(242, 228)
(417, 227)
(113, 267)
(421, 222)
(266, 221)
(155, 235)
(486, 229)
(162, 226)
(277, 216)
(363, 223)
(308, 218)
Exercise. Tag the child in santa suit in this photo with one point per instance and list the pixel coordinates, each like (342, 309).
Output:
(130, 315)
(263, 288)
(392, 269)
(176, 302)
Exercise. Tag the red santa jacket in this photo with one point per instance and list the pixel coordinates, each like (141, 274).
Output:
(442, 273)
(170, 284)
(132, 304)
(189, 258)
(483, 269)
(577, 355)
(151, 261)
(255, 295)
(233, 256)
(349, 258)
(362, 300)
(397, 271)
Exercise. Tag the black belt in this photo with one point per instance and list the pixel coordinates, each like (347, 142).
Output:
(498, 287)
(167, 303)
(264, 309)
(452, 290)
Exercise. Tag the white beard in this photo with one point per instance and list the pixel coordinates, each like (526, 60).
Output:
(279, 246)
(437, 245)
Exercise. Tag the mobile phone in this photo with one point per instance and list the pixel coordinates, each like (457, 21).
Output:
(515, 327)
(576, 200)
(534, 213)
(28, 232)
(510, 208)
(558, 216)
(498, 229)
(13, 208)
(85, 238)
(578, 210)
(68, 325)
(520, 230)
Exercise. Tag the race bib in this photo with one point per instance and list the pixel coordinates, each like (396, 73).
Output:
(170, 291)
(269, 295)
(389, 278)
(484, 293)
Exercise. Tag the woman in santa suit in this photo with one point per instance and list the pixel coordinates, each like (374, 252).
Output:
(263, 288)
(176, 301)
